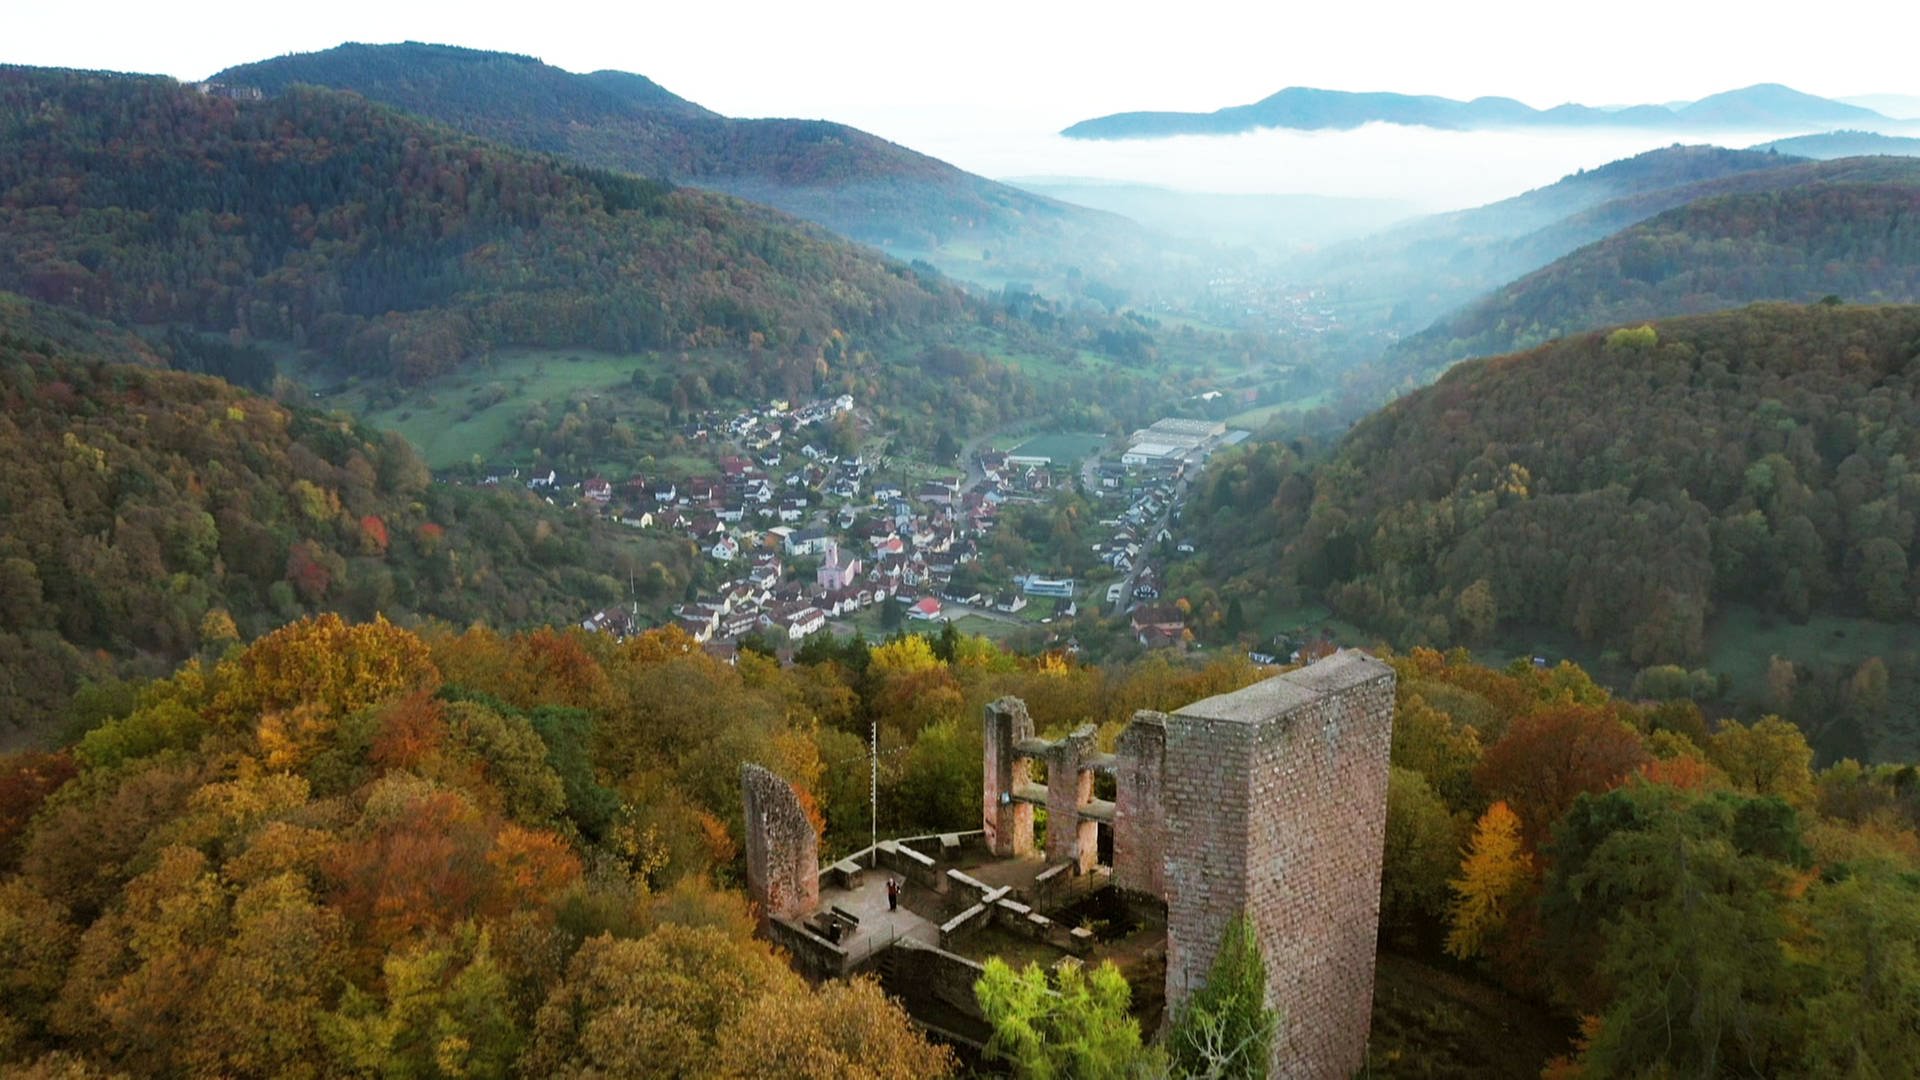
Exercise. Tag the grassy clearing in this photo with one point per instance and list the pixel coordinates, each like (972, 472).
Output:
(1744, 640)
(459, 416)
(1038, 607)
(1310, 619)
(1256, 418)
(991, 629)
(1064, 447)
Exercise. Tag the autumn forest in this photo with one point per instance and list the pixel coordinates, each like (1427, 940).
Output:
(429, 475)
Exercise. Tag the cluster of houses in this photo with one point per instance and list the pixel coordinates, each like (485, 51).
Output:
(893, 550)
(1138, 528)
(763, 427)
(865, 540)
(1010, 476)
(896, 546)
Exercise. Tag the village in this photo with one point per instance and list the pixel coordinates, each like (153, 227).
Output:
(799, 540)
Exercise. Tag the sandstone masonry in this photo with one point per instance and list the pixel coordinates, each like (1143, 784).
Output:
(1269, 803)
(783, 853)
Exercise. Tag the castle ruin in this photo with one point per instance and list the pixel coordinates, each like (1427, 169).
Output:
(1268, 802)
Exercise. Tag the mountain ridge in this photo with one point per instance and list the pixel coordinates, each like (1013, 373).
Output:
(852, 182)
(1430, 266)
(1849, 227)
(401, 246)
(1306, 108)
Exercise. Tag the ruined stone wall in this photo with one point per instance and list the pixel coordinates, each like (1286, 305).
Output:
(1069, 788)
(1275, 800)
(783, 853)
(1139, 828)
(1008, 825)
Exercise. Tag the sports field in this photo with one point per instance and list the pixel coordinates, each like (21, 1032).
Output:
(1064, 447)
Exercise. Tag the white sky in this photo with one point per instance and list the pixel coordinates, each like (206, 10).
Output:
(1057, 59)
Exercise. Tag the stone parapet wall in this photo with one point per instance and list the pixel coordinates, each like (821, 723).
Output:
(813, 956)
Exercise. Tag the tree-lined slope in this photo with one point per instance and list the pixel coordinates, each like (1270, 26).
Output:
(397, 246)
(1849, 228)
(152, 513)
(854, 183)
(1839, 144)
(1428, 267)
(1621, 487)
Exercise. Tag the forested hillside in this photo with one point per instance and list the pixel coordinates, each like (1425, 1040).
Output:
(395, 246)
(1692, 900)
(856, 184)
(1852, 238)
(1427, 267)
(1623, 487)
(356, 850)
(148, 514)
(1839, 144)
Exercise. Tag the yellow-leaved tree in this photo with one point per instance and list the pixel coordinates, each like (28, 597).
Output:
(1495, 872)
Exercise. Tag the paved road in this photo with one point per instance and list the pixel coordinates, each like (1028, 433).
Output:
(970, 460)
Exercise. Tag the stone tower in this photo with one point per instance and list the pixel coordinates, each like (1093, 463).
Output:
(1274, 801)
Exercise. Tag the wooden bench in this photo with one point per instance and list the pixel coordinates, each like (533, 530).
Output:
(834, 923)
(825, 925)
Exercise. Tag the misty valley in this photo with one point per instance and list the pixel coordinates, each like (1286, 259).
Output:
(502, 572)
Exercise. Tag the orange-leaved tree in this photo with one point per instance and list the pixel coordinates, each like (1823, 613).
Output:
(1550, 757)
(1495, 874)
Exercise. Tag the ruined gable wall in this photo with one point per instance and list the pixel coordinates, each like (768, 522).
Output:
(783, 853)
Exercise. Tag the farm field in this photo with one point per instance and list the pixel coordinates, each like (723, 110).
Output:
(1256, 418)
(468, 414)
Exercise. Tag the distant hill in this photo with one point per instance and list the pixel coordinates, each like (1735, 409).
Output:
(139, 500)
(1429, 266)
(1615, 489)
(396, 246)
(858, 185)
(1767, 105)
(376, 245)
(1849, 228)
(1840, 144)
